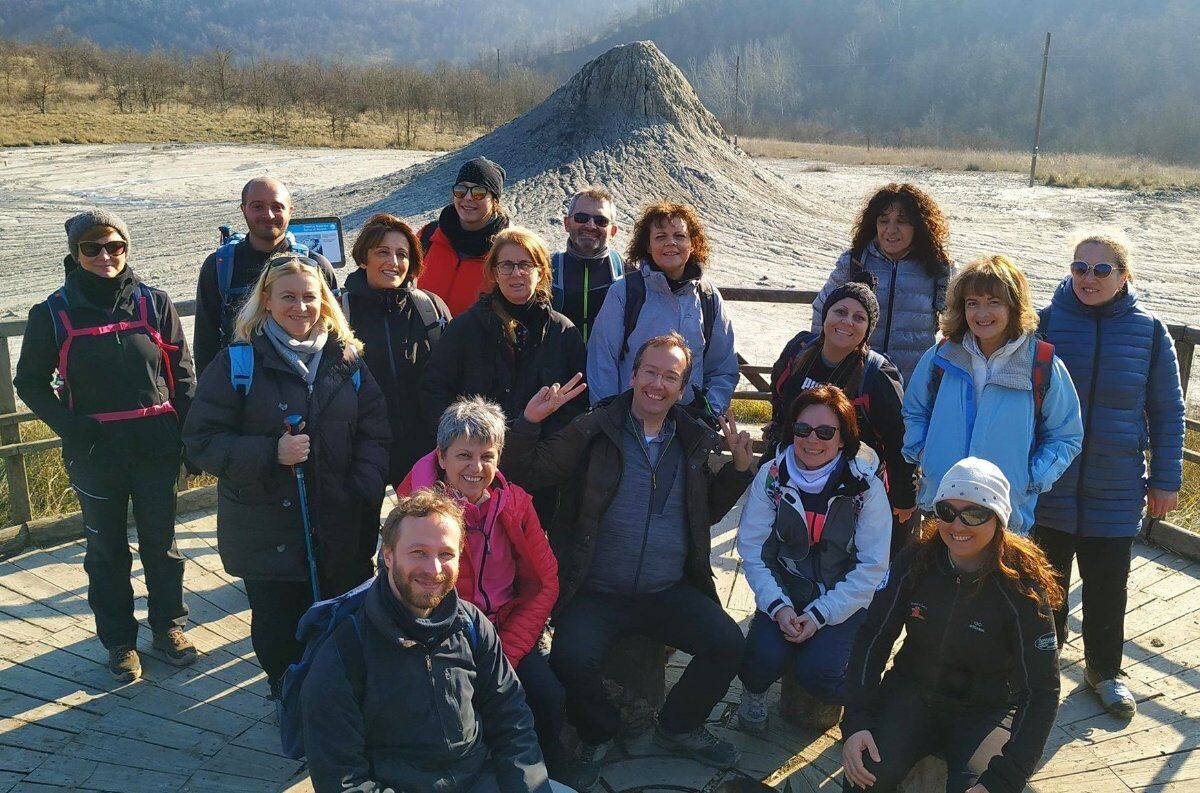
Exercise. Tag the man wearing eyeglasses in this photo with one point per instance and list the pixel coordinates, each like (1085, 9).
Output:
(589, 266)
(456, 243)
(230, 272)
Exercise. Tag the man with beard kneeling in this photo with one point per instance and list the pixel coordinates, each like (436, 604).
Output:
(416, 693)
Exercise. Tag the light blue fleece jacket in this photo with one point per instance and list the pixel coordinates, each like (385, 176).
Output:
(997, 426)
(714, 368)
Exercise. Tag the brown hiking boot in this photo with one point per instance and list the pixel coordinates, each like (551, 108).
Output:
(124, 664)
(176, 647)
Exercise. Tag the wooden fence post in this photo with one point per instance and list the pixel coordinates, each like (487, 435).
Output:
(20, 510)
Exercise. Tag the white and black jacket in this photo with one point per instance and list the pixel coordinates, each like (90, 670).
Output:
(843, 568)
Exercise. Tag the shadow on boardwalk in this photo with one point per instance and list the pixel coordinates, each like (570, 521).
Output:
(65, 725)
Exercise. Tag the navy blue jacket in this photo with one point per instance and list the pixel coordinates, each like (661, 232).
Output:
(1122, 361)
(435, 713)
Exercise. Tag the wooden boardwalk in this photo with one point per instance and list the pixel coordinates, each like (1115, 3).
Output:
(64, 724)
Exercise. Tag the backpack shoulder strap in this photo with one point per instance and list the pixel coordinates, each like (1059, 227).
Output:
(617, 264)
(1043, 366)
(870, 368)
(350, 648)
(708, 309)
(1043, 322)
(472, 634)
(144, 291)
(431, 317)
(426, 235)
(635, 298)
(344, 299)
(935, 377)
(241, 367)
(57, 305)
(224, 261)
(856, 261)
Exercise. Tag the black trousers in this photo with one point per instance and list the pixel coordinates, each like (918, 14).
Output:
(105, 487)
(1104, 571)
(681, 616)
(908, 730)
(545, 697)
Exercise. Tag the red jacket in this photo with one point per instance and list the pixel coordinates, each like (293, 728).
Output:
(456, 280)
(521, 620)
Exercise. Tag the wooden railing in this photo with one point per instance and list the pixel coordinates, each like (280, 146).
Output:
(13, 450)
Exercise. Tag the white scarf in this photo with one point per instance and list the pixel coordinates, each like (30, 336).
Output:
(813, 481)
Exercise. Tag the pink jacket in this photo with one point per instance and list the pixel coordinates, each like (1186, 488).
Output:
(519, 621)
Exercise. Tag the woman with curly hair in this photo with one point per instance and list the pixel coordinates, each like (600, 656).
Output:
(992, 389)
(976, 679)
(666, 291)
(901, 237)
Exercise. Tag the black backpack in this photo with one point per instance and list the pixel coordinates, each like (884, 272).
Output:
(635, 298)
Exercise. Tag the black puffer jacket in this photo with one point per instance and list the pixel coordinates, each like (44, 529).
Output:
(475, 356)
(112, 372)
(433, 709)
(236, 438)
(396, 347)
(968, 645)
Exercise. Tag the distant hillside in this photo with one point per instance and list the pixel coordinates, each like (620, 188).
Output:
(406, 31)
(1122, 75)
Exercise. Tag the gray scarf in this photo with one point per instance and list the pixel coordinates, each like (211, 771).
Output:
(303, 356)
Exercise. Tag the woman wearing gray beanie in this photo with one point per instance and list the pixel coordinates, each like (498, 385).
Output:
(976, 679)
(116, 347)
(840, 354)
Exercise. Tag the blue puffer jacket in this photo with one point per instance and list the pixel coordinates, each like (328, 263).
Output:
(941, 429)
(909, 301)
(1123, 363)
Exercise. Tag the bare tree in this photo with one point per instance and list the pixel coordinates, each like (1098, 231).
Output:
(43, 82)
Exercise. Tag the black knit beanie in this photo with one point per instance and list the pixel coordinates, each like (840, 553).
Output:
(862, 288)
(483, 171)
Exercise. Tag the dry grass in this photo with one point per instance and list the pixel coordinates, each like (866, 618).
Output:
(79, 118)
(50, 492)
(1056, 170)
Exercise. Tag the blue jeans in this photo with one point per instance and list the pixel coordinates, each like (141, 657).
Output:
(819, 664)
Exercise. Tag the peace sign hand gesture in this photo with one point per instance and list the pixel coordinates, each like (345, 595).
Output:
(552, 397)
(738, 443)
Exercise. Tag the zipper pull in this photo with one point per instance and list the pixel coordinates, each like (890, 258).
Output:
(428, 662)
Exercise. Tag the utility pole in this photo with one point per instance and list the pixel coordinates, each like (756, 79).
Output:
(737, 100)
(1037, 126)
(497, 64)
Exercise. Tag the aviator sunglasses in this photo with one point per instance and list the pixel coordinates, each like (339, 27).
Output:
(970, 516)
(477, 191)
(114, 248)
(1102, 269)
(582, 219)
(825, 432)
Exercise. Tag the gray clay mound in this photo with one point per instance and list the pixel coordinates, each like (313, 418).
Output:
(628, 120)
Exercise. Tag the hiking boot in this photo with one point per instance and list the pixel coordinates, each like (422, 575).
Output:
(699, 744)
(752, 715)
(124, 664)
(588, 763)
(1114, 695)
(176, 647)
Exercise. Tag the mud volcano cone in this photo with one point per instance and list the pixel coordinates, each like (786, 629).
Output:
(628, 120)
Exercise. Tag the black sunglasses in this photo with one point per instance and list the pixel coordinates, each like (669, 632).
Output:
(582, 219)
(973, 515)
(803, 429)
(1102, 270)
(477, 191)
(114, 248)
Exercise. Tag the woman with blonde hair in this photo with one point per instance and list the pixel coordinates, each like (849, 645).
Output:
(1122, 360)
(293, 355)
(992, 389)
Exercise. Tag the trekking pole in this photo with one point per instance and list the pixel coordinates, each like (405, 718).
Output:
(292, 425)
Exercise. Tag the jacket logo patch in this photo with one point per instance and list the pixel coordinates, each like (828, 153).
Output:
(917, 610)
(1047, 641)
(774, 491)
(977, 626)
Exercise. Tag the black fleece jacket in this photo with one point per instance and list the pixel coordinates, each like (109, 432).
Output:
(434, 713)
(113, 372)
(969, 644)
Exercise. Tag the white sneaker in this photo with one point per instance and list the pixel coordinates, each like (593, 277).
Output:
(752, 713)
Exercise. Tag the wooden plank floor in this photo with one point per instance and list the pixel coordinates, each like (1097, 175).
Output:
(64, 724)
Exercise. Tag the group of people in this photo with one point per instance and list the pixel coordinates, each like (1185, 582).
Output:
(547, 422)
